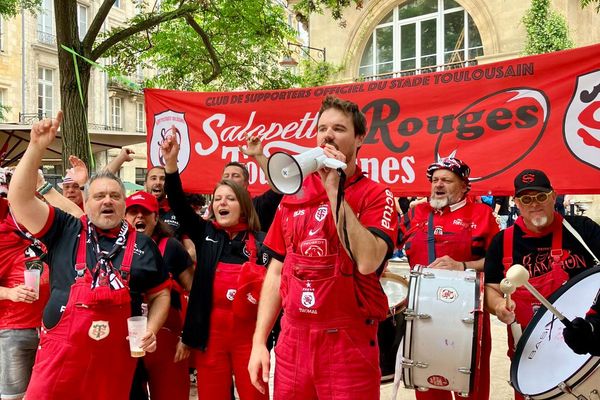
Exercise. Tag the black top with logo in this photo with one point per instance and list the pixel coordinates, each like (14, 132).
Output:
(147, 268)
(534, 252)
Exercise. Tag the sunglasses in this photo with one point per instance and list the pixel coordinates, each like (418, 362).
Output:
(541, 197)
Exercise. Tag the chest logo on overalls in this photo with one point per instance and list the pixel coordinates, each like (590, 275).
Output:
(99, 330)
(447, 294)
(230, 294)
(308, 296)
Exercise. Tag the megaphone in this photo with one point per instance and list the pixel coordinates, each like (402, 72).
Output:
(287, 172)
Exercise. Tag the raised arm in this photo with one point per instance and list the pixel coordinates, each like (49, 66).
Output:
(115, 164)
(56, 199)
(254, 148)
(28, 209)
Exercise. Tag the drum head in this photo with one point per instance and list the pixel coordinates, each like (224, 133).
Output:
(396, 290)
(542, 359)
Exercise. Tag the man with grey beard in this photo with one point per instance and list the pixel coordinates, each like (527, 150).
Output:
(542, 243)
(452, 232)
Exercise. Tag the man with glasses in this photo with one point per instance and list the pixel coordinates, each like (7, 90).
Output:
(541, 242)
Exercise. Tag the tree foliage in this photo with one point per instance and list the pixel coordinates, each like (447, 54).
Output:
(585, 3)
(547, 31)
(225, 45)
(194, 44)
(10, 8)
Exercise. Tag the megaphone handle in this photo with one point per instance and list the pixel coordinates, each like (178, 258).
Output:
(566, 322)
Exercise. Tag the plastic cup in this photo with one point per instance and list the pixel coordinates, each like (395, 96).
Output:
(32, 279)
(137, 329)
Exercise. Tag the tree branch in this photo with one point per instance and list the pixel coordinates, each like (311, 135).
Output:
(139, 27)
(214, 58)
(96, 25)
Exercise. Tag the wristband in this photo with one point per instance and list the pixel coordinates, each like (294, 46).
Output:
(45, 188)
(464, 266)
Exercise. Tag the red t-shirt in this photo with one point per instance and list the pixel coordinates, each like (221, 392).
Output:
(310, 229)
(15, 255)
(473, 221)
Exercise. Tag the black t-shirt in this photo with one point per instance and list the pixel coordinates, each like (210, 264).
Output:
(147, 268)
(534, 252)
(265, 206)
(176, 257)
(504, 204)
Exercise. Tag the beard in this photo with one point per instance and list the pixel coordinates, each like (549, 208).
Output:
(540, 222)
(438, 204)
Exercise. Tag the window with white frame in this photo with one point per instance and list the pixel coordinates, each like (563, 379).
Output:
(115, 112)
(117, 4)
(45, 92)
(419, 35)
(82, 20)
(45, 22)
(140, 117)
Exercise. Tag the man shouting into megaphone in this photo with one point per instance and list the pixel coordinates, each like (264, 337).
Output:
(329, 243)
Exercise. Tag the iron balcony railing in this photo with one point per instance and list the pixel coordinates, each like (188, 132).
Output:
(417, 71)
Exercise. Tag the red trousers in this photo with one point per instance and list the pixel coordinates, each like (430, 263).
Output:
(324, 364)
(481, 386)
(167, 380)
(227, 354)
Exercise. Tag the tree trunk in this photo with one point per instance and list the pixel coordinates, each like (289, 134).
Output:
(74, 129)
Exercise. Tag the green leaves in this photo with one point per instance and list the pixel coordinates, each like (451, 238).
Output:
(547, 31)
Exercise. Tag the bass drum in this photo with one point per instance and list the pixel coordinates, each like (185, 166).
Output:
(443, 330)
(543, 366)
(391, 330)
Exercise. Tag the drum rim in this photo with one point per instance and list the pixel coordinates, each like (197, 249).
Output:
(592, 362)
(400, 307)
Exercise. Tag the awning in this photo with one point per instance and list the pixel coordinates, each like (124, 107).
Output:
(14, 139)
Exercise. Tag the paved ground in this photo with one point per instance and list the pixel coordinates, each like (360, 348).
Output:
(500, 367)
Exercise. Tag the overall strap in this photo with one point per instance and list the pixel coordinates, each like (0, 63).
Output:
(80, 258)
(507, 246)
(251, 247)
(162, 245)
(128, 256)
(556, 252)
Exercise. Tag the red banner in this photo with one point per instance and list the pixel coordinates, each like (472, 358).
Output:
(533, 112)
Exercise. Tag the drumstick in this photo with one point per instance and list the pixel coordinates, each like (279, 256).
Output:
(507, 288)
(519, 276)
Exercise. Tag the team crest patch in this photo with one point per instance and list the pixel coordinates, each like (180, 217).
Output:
(99, 330)
(447, 294)
(321, 213)
(230, 294)
(308, 296)
(308, 299)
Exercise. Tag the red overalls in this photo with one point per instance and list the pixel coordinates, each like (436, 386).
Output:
(424, 249)
(327, 348)
(86, 355)
(229, 344)
(525, 303)
(169, 380)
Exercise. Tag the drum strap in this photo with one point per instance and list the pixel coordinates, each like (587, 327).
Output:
(578, 237)
(430, 240)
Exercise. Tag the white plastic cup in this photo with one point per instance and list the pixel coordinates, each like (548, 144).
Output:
(32, 279)
(137, 329)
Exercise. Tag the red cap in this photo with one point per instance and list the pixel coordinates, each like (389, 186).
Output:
(144, 200)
